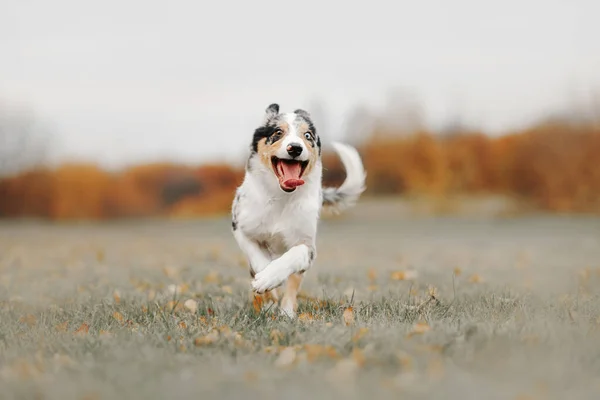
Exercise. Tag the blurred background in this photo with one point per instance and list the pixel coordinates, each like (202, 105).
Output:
(142, 109)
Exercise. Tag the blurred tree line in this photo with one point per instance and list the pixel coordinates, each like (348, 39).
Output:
(554, 165)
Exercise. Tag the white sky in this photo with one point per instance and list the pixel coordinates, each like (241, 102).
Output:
(131, 81)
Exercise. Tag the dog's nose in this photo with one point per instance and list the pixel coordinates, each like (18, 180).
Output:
(294, 149)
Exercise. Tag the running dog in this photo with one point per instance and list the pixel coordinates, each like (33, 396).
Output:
(277, 207)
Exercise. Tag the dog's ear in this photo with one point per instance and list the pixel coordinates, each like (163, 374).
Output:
(302, 113)
(271, 112)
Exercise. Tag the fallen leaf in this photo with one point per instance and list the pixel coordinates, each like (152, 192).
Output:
(404, 275)
(348, 316)
(173, 306)
(191, 305)
(117, 296)
(182, 324)
(212, 337)
(419, 328)
(286, 357)
(306, 317)
(83, 329)
(118, 316)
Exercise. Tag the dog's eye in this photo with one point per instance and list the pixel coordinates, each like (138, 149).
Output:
(308, 136)
(278, 132)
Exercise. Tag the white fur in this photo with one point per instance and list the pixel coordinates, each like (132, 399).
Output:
(277, 230)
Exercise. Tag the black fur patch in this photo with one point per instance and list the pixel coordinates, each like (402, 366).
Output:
(268, 132)
(311, 255)
(234, 224)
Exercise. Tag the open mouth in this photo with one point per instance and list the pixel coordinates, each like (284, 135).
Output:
(289, 173)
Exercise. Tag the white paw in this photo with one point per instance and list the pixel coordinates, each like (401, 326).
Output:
(270, 278)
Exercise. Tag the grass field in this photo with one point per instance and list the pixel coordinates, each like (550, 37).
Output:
(395, 307)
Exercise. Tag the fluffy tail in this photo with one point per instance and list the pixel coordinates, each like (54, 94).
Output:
(345, 196)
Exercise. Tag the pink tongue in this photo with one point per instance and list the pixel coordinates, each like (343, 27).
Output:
(290, 174)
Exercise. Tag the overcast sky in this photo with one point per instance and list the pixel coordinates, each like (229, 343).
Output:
(130, 81)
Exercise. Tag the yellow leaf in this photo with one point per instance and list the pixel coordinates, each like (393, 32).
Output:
(182, 324)
(348, 316)
(475, 278)
(419, 328)
(306, 317)
(117, 296)
(212, 337)
(404, 275)
(173, 306)
(286, 357)
(118, 316)
(83, 329)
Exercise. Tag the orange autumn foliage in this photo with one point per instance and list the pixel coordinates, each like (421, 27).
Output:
(553, 167)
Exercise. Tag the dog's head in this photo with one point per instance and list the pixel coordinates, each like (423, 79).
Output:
(288, 145)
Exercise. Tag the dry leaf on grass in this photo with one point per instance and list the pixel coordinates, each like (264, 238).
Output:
(286, 357)
(407, 275)
(205, 340)
(348, 316)
(118, 316)
(306, 317)
(83, 329)
(419, 328)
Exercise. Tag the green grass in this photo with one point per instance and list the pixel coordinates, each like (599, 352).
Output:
(529, 329)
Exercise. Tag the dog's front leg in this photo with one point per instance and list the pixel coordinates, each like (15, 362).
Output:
(296, 260)
(257, 257)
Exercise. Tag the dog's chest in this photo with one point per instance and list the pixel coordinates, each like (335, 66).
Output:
(279, 224)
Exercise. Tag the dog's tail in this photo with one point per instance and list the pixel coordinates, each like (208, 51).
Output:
(345, 196)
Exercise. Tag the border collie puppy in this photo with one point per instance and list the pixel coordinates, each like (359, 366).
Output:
(277, 207)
